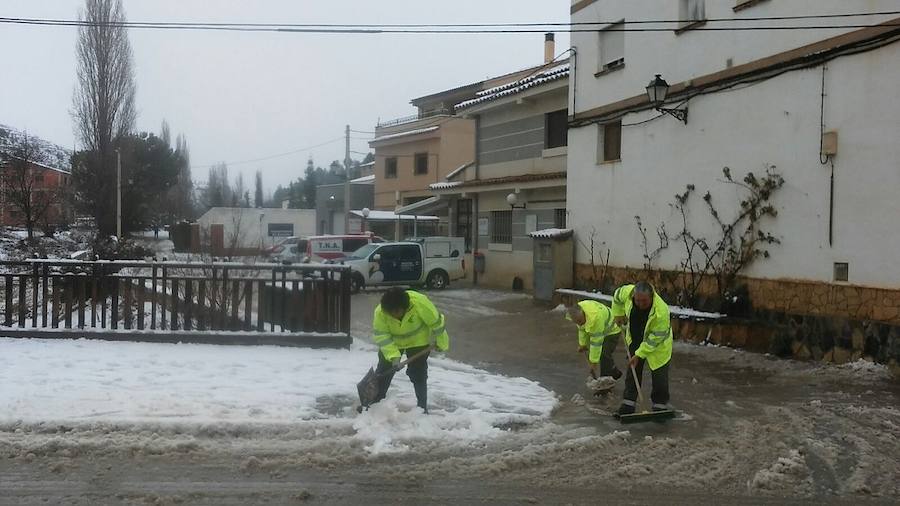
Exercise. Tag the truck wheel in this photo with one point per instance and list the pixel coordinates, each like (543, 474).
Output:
(437, 280)
(356, 283)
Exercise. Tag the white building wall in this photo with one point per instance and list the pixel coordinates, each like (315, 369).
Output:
(250, 225)
(774, 122)
(679, 57)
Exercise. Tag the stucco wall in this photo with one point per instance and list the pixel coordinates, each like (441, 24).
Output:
(244, 227)
(773, 122)
(695, 53)
(503, 266)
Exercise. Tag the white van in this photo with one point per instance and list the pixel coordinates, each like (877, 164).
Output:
(326, 248)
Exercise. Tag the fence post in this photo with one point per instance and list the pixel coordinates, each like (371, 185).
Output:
(34, 294)
(345, 305)
(8, 300)
(153, 298)
(44, 295)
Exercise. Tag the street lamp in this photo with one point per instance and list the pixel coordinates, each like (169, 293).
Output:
(365, 214)
(512, 199)
(657, 91)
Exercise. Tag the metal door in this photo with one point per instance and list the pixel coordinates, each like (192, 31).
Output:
(544, 282)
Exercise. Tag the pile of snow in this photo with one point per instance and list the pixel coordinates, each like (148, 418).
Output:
(865, 368)
(679, 311)
(251, 390)
(787, 475)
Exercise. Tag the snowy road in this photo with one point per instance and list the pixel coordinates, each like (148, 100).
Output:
(89, 423)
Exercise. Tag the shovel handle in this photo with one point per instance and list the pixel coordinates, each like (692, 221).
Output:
(413, 358)
(637, 382)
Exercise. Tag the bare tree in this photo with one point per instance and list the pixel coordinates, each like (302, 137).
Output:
(103, 104)
(22, 187)
(258, 190)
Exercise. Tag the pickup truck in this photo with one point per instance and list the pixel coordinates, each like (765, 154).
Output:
(433, 263)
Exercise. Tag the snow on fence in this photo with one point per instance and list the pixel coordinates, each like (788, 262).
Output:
(225, 302)
(676, 311)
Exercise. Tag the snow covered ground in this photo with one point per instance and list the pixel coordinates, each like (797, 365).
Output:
(252, 390)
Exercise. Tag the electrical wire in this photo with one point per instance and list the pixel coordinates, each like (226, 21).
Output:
(456, 25)
(450, 29)
(270, 157)
(756, 78)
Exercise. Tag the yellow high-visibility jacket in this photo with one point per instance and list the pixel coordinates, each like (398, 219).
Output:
(598, 325)
(421, 323)
(656, 347)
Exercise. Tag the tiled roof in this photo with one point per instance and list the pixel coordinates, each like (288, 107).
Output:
(525, 178)
(551, 74)
(404, 134)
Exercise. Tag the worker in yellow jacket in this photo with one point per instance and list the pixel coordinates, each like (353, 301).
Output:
(407, 322)
(649, 338)
(598, 335)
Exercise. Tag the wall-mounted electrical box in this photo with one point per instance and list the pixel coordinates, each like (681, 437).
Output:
(830, 143)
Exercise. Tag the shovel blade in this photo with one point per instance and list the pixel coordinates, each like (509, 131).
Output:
(650, 416)
(368, 388)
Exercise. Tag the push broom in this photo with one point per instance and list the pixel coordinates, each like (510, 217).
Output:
(646, 416)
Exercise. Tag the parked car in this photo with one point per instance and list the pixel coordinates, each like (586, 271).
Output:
(282, 248)
(433, 263)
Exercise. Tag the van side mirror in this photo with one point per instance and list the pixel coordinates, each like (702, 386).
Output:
(454, 254)
(376, 257)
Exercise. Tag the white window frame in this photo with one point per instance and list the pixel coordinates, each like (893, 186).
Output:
(601, 143)
(688, 11)
(605, 61)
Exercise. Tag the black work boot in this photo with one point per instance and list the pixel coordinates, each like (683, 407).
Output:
(421, 395)
(625, 409)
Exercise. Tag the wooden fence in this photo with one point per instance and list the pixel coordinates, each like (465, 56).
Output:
(226, 302)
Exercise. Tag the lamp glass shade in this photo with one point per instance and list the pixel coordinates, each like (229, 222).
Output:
(657, 90)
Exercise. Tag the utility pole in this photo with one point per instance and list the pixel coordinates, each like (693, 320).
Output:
(347, 163)
(118, 194)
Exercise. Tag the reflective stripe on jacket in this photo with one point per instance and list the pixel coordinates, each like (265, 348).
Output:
(421, 325)
(598, 324)
(656, 347)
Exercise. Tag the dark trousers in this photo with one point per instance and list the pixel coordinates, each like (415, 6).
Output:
(417, 371)
(660, 393)
(607, 364)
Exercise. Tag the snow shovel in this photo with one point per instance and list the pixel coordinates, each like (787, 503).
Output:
(368, 386)
(646, 416)
(600, 385)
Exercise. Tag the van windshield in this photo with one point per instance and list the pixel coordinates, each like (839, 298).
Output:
(363, 252)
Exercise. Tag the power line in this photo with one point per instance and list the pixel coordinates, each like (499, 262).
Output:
(173, 24)
(451, 29)
(270, 157)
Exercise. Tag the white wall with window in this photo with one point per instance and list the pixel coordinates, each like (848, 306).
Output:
(779, 125)
(689, 54)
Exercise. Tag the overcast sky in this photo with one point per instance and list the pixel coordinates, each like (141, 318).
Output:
(240, 96)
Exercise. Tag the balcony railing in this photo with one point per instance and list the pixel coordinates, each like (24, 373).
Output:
(415, 117)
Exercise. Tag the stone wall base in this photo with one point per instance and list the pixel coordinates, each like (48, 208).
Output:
(787, 296)
(828, 339)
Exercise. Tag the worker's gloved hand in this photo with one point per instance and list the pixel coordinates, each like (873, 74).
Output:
(582, 349)
(395, 364)
(621, 320)
(635, 360)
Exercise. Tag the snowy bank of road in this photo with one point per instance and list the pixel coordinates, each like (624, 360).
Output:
(250, 390)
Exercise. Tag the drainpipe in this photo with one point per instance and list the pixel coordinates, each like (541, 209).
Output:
(475, 200)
